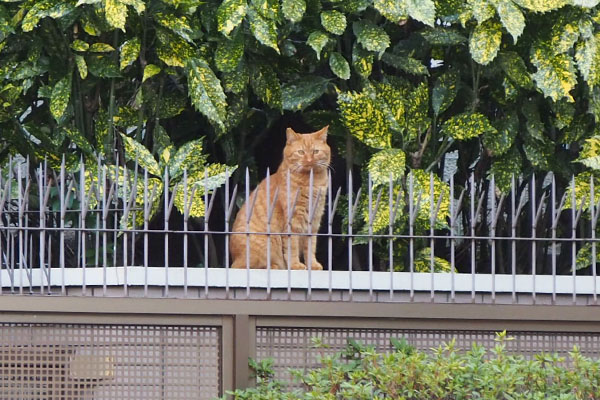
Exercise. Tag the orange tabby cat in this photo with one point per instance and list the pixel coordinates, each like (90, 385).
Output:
(301, 155)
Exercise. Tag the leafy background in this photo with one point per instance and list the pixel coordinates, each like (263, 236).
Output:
(409, 88)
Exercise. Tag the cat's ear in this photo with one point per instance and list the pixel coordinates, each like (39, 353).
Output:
(322, 133)
(291, 135)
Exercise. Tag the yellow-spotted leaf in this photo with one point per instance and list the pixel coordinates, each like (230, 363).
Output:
(230, 14)
(236, 81)
(79, 45)
(542, 5)
(590, 153)
(482, 10)
(515, 69)
(362, 60)
(365, 119)
(443, 36)
(555, 74)
(587, 55)
(188, 157)
(81, 66)
(61, 93)
(101, 48)
(500, 141)
(421, 10)
(317, 40)
(444, 92)
(179, 24)
(372, 37)
(130, 51)
(423, 259)
(293, 10)
(333, 21)
(583, 190)
(135, 151)
(417, 111)
(339, 66)
(467, 125)
(46, 8)
(266, 85)
(205, 91)
(78, 139)
(485, 42)
(171, 49)
(405, 63)
(116, 13)
(385, 164)
(229, 53)
(298, 95)
(393, 10)
(263, 29)
(149, 71)
(504, 168)
(512, 18)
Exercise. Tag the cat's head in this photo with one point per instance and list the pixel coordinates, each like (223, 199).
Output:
(308, 151)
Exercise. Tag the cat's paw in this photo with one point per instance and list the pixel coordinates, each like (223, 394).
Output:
(314, 264)
(298, 265)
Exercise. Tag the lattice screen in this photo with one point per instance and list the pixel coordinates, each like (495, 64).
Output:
(292, 347)
(101, 362)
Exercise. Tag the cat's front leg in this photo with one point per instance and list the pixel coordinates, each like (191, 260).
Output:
(309, 249)
(291, 250)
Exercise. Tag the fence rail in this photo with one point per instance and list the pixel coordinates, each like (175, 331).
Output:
(97, 228)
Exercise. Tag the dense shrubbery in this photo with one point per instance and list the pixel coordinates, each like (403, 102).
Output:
(444, 374)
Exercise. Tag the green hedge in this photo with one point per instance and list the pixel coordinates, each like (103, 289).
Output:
(444, 373)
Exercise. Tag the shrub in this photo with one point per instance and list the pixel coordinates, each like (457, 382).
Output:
(443, 374)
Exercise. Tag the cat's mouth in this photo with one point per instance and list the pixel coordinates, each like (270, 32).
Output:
(315, 167)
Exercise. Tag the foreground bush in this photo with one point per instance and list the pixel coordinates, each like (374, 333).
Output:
(445, 373)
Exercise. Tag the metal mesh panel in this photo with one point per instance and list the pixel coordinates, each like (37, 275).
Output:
(291, 348)
(73, 362)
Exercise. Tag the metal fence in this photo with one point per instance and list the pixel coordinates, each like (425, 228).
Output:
(91, 229)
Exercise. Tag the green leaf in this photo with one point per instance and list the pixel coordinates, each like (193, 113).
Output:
(264, 30)
(422, 262)
(405, 63)
(172, 50)
(293, 10)
(587, 56)
(563, 114)
(394, 10)
(555, 74)
(386, 163)
(512, 18)
(365, 119)
(443, 37)
(176, 23)
(542, 5)
(485, 42)
(444, 92)
(188, 157)
(538, 153)
(504, 168)
(229, 53)
(298, 95)
(333, 21)
(149, 71)
(392, 101)
(103, 66)
(81, 66)
(339, 66)
(565, 33)
(135, 151)
(130, 51)
(500, 141)
(585, 3)
(421, 10)
(206, 92)
(371, 36)
(267, 8)
(49, 8)
(101, 48)
(79, 45)
(266, 86)
(583, 190)
(482, 10)
(78, 139)
(317, 40)
(230, 14)
(467, 125)
(417, 111)
(590, 153)
(61, 93)
(236, 81)
(514, 67)
(116, 13)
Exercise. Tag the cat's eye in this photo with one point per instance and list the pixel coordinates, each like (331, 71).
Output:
(315, 151)
(301, 152)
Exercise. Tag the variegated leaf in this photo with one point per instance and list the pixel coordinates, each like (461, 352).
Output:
(333, 21)
(61, 93)
(79, 140)
(365, 119)
(482, 10)
(485, 42)
(101, 48)
(116, 13)
(293, 10)
(362, 60)
(205, 91)
(499, 141)
(372, 37)
(515, 69)
(417, 111)
(505, 168)
(443, 37)
(421, 10)
(512, 18)
(590, 153)
(444, 92)
(176, 23)
(394, 10)
(583, 190)
(230, 14)
(135, 151)
(149, 71)
(423, 259)
(103, 66)
(130, 50)
(339, 66)
(81, 66)
(555, 74)
(47, 8)
(317, 40)
(172, 50)
(229, 53)
(298, 95)
(236, 81)
(264, 30)
(79, 45)
(405, 63)
(188, 157)
(267, 8)
(467, 125)
(385, 164)
(266, 86)
(542, 5)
